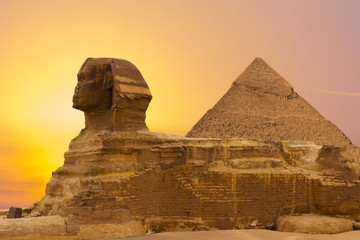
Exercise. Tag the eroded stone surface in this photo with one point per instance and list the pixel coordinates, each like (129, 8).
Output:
(167, 181)
(120, 179)
(314, 224)
(56, 227)
(262, 105)
(15, 212)
(113, 95)
(49, 225)
(260, 76)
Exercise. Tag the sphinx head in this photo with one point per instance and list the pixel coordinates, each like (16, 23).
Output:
(112, 93)
(93, 91)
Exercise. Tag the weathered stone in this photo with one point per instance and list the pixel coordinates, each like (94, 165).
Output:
(120, 179)
(271, 226)
(113, 95)
(4, 213)
(314, 224)
(15, 212)
(50, 225)
(118, 176)
(356, 226)
(262, 105)
(55, 227)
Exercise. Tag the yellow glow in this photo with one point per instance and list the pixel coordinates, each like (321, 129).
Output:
(189, 53)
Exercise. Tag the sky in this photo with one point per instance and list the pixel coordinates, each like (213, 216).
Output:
(189, 53)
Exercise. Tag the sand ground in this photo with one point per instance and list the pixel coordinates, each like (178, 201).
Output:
(243, 235)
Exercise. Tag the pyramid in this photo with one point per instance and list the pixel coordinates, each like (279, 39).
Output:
(261, 104)
(119, 179)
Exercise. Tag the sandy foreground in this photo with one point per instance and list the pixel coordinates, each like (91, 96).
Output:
(243, 235)
(52, 223)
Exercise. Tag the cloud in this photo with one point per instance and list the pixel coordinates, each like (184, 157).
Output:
(14, 182)
(332, 92)
(11, 192)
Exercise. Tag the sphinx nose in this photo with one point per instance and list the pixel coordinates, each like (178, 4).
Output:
(77, 88)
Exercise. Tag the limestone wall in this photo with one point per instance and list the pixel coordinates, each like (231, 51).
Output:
(166, 181)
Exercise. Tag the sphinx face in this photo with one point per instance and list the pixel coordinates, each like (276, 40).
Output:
(90, 92)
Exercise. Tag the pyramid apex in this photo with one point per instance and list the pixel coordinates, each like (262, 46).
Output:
(258, 59)
(262, 76)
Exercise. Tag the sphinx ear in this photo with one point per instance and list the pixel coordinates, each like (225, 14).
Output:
(108, 80)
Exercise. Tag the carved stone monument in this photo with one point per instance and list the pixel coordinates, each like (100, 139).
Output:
(119, 179)
(113, 95)
(261, 104)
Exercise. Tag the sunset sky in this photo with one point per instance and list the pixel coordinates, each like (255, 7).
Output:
(189, 52)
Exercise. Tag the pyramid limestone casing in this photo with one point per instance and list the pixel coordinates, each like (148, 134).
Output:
(262, 105)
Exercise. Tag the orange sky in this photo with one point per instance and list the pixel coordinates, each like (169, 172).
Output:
(189, 52)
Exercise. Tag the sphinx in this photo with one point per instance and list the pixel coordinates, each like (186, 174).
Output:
(118, 173)
(113, 95)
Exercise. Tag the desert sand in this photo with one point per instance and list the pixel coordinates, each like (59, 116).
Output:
(245, 235)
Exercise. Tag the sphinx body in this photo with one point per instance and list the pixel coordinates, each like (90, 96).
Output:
(117, 172)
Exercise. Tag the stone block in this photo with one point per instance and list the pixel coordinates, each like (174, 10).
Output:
(356, 226)
(15, 212)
